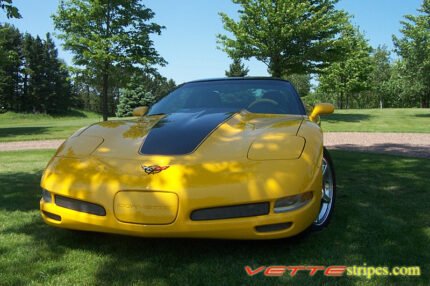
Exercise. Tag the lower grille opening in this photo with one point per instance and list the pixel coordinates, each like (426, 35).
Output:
(80, 206)
(52, 216)
(237, 211)
(273, 227)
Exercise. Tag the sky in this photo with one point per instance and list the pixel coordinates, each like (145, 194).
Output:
(189, 41)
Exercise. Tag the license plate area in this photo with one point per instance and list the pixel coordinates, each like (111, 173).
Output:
(146, 207)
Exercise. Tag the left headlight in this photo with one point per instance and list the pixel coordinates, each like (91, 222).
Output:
(291, 203)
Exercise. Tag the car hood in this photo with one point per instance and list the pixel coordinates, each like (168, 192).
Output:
(191, 134)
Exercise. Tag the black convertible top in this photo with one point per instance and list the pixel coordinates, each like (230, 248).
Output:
(238, 78)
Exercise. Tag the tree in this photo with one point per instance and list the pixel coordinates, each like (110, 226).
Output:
(32, 78)
(289, 36)
(156, 84)
(402, 87)
(132, 98)
(58, 98)
(38, 87)
(107, 35)
(11, 11)
(350, 76)
(85, 88)
(143, 90)
(414, 48)
(381, 74)
(237, 69)
(10, 66)
(302, 83)
(27, 50)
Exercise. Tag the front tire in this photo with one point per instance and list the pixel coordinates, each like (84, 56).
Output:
(328, 193)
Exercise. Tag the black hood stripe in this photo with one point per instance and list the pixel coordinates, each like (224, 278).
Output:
(181, 133)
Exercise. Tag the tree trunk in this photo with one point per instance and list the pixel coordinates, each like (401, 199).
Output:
(357, 98)
(347, 101)
(275, 67)
(105, 110)
(105, 91)
(277, 73)
(428, 100)
(425, 101)
(23, 105)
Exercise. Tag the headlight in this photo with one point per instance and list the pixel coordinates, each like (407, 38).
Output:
(46, 196)
(291, 203)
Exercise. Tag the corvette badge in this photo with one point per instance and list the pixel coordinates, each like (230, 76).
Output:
(154, 169)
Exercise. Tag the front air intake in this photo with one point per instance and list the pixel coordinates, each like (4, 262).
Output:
(273, 227)
(79, 206)
(52, 216)
(237, 211)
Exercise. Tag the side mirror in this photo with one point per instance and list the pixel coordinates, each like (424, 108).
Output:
(320, 109)
(140, 111)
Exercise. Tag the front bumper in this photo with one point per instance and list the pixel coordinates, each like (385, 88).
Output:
(237, 228)
(196, 187)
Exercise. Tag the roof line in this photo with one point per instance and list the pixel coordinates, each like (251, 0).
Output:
(238, 78)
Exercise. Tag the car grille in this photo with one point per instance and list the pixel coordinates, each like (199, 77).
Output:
(80, 206)
(227, 212)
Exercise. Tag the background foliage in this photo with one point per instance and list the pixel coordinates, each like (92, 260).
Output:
(109, 40)
(32, 78)
(310, 43)
(237, 69)
(137, 94)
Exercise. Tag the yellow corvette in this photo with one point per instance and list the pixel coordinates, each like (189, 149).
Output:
(223, 158)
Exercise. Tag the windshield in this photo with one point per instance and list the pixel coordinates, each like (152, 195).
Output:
(257, 96)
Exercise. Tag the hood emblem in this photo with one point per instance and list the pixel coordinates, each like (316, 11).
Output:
(154, 169)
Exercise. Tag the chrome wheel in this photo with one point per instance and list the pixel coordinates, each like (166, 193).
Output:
(327, 194)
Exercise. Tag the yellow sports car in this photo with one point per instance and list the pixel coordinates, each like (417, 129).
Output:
(223, 158)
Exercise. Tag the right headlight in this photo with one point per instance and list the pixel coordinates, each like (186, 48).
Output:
(291, 203)
(276, 146)
(79, 146)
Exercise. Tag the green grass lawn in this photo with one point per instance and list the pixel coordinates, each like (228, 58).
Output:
(413, 120)
(24, 127)
(382, 218)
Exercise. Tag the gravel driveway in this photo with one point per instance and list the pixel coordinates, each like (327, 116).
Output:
(27, 145)
(406, 144)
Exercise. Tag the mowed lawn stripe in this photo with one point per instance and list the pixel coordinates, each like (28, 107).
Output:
(25, 127)
(400, 120)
